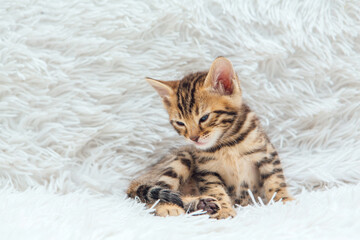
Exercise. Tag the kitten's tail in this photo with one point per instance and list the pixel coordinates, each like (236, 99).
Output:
(151, 194)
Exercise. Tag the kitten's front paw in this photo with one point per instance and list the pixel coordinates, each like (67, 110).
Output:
(209, 205)
(167, 209)
(225, 213)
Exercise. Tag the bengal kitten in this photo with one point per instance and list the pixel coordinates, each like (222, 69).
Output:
(229, 154)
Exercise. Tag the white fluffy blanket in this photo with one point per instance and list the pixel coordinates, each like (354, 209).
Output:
(77, 119)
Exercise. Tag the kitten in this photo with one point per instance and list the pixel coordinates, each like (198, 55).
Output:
(229, 151)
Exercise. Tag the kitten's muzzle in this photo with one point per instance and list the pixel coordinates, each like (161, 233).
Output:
(195, 138)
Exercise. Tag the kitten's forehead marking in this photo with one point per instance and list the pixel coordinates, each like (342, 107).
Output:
(186, 93)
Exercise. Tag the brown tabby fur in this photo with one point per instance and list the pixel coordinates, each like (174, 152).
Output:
(232, 154)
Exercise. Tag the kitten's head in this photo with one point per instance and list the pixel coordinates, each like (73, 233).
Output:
(203, 106)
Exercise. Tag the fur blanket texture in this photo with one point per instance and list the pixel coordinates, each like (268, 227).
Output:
(78, 120)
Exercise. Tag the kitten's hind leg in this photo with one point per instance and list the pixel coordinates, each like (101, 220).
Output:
(163, 180)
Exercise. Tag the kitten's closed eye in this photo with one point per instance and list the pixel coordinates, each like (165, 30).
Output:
(180, 123)
(204, 118)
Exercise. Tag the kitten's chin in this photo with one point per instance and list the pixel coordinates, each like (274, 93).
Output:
(208, 143)
(203, 146)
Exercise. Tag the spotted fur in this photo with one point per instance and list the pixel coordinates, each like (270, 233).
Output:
(229, 152)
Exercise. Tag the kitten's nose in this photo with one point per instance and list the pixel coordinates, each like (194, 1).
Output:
(194, 138)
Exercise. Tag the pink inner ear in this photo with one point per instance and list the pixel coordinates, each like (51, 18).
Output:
(224, 83)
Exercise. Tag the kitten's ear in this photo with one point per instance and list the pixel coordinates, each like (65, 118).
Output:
(222, 77)
(164, 88)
